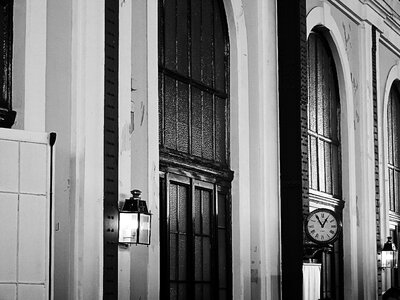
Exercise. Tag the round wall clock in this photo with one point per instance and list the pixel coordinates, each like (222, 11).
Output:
(323, 226)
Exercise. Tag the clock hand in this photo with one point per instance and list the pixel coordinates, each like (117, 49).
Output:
(319, 221)
(323, 224)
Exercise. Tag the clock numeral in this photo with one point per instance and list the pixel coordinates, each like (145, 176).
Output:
(317, 235)
(310, 226)
(333, 226)
(312, 231)
(322, 237)
(331, 231)
(322, 215)
(332, 220)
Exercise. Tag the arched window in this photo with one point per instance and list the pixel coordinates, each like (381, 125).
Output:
(393, 165)
(194, 150)
(394, 150)
(324, 170)
(323, 120)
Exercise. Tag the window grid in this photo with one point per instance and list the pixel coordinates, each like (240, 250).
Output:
(323, 125)
(193, 75)
(198, 255)
(394, 149)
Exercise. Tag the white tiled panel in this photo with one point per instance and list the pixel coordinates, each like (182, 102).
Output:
(33, 176)
(32, 238)
(8, 291)
(8, 166)
(31, 292)
(8, 236)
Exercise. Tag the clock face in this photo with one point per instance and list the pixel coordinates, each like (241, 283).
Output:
(322, 226)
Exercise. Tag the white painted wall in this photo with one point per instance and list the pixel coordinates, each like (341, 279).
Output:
(86, 161)
(58, 119)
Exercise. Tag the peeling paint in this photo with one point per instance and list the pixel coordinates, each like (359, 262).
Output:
(142, 111)
(346, 33)
(132, 125)
(354, 83)
(68, 186)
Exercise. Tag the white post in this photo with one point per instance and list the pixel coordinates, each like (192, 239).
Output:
(87, 148)
(35, 65)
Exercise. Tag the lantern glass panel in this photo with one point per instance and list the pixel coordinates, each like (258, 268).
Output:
(128, 227)
(144, 229)
(389, 259)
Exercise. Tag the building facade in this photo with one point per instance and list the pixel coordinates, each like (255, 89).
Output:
(235, 118)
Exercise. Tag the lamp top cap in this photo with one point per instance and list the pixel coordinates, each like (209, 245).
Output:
(389, 246)
(136, 193)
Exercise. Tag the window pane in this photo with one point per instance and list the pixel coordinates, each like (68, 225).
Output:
(207, 47)
(219, 44)
(182, 257)
(206, 211)
(314, 165)
(196, 39)
(198, 291)
(222, 294)
(160, 109)
(396, 131)
(328, 168)
(182, 291)
(173, 291)
(198, 259)
(173, 200)
(197, 122)
(390, 129)
(220, 136)
(321, 166)
(207, 126)
(207, 291)
(183, 117)
(396, 189)
(170, 113)
(391, 188)
(312, 84)
(197, 211)
(221, 210)
(173, 257)
(183, 198)
(182, 38)
(206, 259)
(320, 87)
(337, 187)
(170, 34)
(222, 258)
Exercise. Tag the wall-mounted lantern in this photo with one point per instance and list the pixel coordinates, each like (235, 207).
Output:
(389, 255)
(134, 221)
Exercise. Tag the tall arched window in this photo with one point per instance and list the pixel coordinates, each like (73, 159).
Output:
(393, 127)
(323, 120)
(195, 227)
(324, 170)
